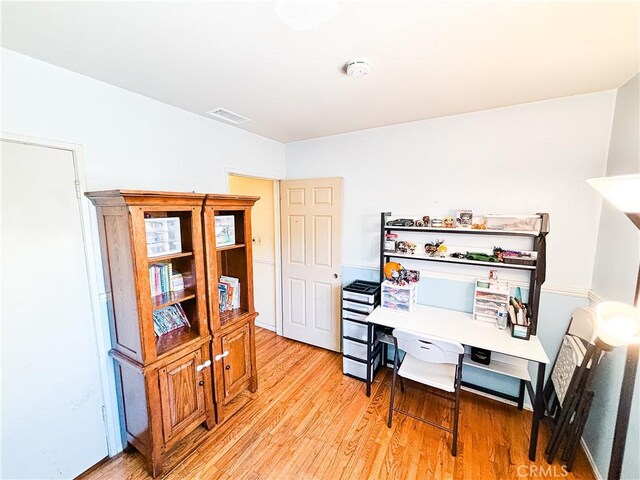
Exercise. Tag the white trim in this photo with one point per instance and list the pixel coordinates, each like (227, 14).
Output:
(276, 226)
(547, 288)
(103, 344)
(245, 173)
(264, 262)
(266, 326)
(595, 298)
(278, 256)
(592, 462)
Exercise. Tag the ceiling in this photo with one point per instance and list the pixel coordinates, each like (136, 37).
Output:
(429, 59)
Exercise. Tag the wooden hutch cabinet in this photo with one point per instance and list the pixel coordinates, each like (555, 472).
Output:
(233, 346)
(164, 312)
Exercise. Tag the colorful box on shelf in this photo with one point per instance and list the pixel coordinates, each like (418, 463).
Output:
(163, 236)
(399, 298)
(488, 298)
(515, 223)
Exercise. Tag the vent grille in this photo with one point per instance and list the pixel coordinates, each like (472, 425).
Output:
(227, 116)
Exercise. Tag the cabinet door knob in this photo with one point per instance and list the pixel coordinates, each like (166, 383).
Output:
(227, 367)
(219, 357)
(203, 366)
(201, 383)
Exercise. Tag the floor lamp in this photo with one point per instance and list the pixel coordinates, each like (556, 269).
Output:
(623, 192)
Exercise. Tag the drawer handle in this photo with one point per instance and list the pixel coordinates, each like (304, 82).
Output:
(203, 366)
(221, 356)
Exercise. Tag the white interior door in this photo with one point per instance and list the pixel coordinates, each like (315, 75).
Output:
(52, 425)
(311, 226)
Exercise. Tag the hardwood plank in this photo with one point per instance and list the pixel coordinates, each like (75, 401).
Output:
(308, 421)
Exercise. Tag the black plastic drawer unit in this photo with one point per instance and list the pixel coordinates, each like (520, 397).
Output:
(359, 299)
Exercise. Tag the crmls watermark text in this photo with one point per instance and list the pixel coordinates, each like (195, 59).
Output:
(542, 471)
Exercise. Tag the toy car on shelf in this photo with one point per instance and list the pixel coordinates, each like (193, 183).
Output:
(481, 257)
(458, 255)
(400, 222)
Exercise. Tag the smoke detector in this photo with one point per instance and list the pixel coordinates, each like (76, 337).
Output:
(359, 67)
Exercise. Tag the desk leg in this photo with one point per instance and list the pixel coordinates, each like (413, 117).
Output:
(521, 395)
(370, 329)
(538, 409)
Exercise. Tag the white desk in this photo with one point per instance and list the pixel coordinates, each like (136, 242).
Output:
(460, 327)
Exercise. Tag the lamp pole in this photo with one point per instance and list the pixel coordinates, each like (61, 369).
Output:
(626, 397)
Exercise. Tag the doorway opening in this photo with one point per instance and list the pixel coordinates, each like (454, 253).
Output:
(265, 244)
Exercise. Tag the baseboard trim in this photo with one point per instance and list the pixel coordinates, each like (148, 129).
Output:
(592, 462)
(266, 326)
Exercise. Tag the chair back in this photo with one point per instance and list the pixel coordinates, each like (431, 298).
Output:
(583, 324)
(428, 348)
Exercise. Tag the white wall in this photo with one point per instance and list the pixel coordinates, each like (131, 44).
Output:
(521, 159)
(618, 254)
(614, 278)
(129, 141)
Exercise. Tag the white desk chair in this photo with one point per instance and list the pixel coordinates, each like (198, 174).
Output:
(431, 361)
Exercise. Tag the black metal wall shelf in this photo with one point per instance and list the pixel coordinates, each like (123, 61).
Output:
(539, 245)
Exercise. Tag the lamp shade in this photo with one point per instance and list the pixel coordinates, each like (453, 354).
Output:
(618, 323)
(623, 191)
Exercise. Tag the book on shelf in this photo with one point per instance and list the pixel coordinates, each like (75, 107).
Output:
(228, 293)
(163, 279)
(168, 319)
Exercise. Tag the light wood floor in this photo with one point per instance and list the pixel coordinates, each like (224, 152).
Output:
(308, 421)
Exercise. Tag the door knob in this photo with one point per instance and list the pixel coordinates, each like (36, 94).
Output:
(201, 383)
(227, 367)
(335, 275)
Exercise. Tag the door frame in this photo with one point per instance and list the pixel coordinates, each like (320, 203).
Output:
(110, 412)
(276, 225)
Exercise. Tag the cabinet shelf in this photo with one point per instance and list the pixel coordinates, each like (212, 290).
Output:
(230, 247)
(170, 298)
(164, 258)
(166, 342)
(517, 369)
(231, 316)
(468, 231)
(460, 261)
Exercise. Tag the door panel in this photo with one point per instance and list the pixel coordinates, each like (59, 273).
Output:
(297, 240)
(298, 301)
(322, 306)
(236, 365)
(182, 396)
(311, 222)
(52, 425)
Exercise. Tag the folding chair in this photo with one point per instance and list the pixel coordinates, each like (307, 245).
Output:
(431, 361)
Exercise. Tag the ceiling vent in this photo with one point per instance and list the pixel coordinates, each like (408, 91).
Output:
(227, 116)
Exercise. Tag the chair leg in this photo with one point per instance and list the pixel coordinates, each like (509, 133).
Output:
(456, 411)
(402, 384)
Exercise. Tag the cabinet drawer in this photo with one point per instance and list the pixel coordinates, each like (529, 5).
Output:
(358, 297)
(355, 330)
(357, 307)
(359, 369)
(354, 316)
(355, 349)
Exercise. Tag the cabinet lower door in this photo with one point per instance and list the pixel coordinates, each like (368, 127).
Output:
(182, 394)
(236, 365)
